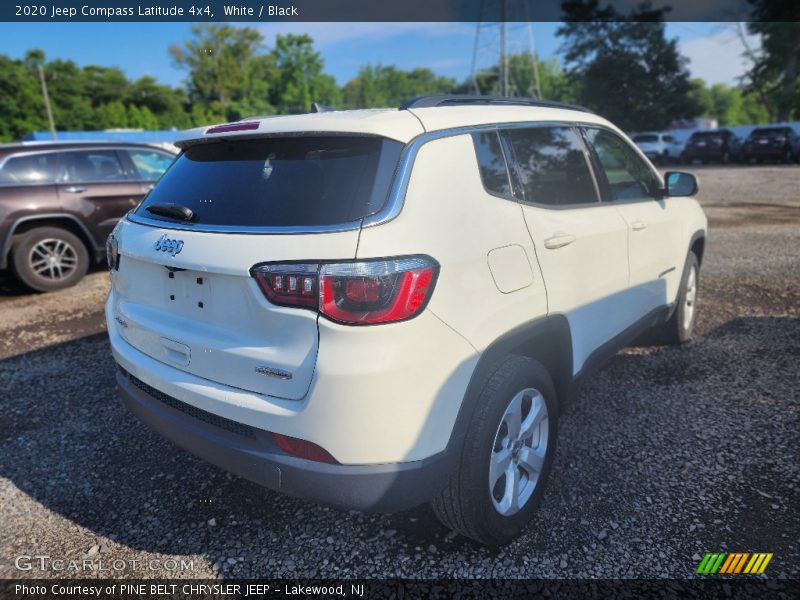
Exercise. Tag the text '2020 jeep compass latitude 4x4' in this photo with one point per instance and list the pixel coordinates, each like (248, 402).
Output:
(374, 309)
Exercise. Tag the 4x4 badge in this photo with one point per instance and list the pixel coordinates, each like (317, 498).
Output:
(167, 245)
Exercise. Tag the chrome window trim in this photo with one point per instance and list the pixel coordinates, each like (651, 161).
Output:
(396, 198)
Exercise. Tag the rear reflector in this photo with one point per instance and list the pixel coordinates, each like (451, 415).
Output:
(246, 126)
(355, 293)
(303, 449)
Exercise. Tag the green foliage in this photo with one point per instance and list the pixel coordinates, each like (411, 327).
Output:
(731, 106)
(87, 98)
(387, 86)
(222, 61)
(626, 71)
(553, 81)
(774, 75)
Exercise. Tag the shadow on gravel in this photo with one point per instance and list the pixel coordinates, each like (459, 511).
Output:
(10, 287)
(664, 448)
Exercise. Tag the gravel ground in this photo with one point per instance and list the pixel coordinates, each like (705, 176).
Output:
(667, 454)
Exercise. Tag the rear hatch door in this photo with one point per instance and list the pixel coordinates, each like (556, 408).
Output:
(183, 293)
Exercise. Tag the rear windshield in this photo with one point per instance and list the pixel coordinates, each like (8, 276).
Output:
(280, 182)
(648, 137)
(770, 132)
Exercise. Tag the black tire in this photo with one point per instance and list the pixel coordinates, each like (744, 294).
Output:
(675, 331)
(466, 505)
(71, 269)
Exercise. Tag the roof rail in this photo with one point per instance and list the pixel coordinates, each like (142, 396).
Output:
(467, 100)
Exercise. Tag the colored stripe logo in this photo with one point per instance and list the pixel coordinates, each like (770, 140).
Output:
(733, 563)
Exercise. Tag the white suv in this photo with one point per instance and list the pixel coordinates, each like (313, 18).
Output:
(375, 309)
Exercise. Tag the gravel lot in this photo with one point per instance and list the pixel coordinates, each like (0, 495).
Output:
(667, 454)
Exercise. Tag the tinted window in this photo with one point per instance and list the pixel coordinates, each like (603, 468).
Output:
(92, 166)
(30, 168)
(650, 137)
(150, 164)
(668, 138)
(280, 182)
(491, 163)
(551, 165)
(627, 176)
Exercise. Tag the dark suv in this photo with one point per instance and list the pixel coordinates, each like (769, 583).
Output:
(771, 143)
(712, 145)
(59, 202)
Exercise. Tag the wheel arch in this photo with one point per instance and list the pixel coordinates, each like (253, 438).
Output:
(61, 220)
(697, 244)
(547, 340)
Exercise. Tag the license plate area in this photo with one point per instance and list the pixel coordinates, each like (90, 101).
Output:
(188, 292)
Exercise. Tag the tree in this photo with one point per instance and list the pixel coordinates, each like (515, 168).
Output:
(553, 80)
(220, 59)
(775, 71)
(385, 86)
(300, 80)
(21, 104)
(626, 70)
(730, 106)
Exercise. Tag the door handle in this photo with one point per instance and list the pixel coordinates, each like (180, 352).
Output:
(559, 240)
(639, 225)
(75, 189)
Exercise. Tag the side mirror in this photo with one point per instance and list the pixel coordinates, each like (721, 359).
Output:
(679, 183)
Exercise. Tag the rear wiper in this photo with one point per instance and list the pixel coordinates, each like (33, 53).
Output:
(173, 211)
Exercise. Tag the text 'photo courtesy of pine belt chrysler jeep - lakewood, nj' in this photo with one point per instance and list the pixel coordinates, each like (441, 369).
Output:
(375, 309)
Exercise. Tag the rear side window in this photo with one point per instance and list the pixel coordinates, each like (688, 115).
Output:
(552, 167)
(627, 176)
(280, 182)
(29, 168)
(149, 164)
(492, 163)
(92, 166)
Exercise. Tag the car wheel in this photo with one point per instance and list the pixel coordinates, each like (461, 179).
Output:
(506, 457)
(680, 326)
(49, 258)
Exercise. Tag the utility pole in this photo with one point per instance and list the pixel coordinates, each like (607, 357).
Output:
(47, 103)
(504, 51)
(499, 36)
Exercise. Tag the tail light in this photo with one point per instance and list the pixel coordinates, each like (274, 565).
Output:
(112, 253)
(355, 293)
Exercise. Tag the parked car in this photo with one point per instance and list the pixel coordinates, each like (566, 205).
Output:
(59, 202)
(377, 309)
(712, 145)
(771, 143)
(661, 148)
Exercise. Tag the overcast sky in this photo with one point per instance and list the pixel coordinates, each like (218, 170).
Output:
(713, 49)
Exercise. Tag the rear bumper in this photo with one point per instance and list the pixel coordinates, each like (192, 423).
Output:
(251, 453)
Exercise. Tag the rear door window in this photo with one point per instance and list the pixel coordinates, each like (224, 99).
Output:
(551, 166)
(149, 165)
(29, 169)
(280, 181)
(492, 163)
(92, 166)
(626, 176)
